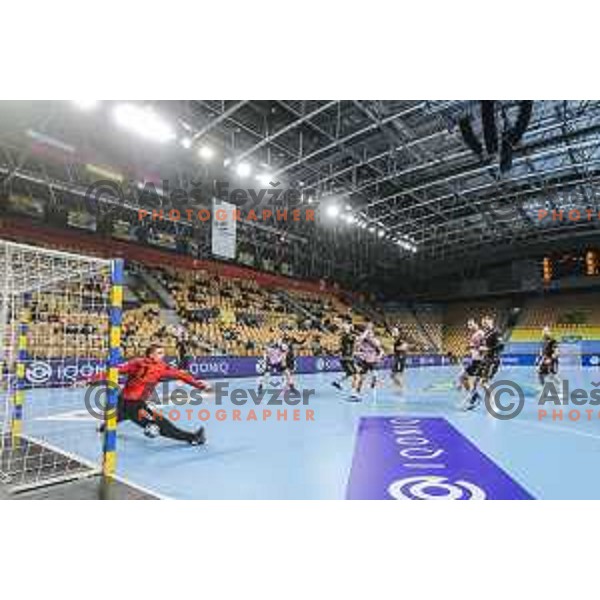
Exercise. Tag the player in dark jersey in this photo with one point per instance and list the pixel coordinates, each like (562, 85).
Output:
(143, 375)
(290, 360)
(292, 343)
(400, 350)
(492, 348)
(347, 340)
(547, 364)
(183, 344)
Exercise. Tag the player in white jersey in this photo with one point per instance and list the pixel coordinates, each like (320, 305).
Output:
(276, 363)
(367, 355)
(469, 378)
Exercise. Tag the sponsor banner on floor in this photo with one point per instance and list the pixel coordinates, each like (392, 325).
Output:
(406, 458)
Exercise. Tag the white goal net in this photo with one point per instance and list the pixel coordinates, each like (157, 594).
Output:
(55, 317)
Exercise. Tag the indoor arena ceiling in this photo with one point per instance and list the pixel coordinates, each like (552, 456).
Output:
(433, 183)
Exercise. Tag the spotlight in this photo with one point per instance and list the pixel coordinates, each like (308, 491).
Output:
(206, 152)
(333, 210)
(351, 219)
(265, 179)
(407, 245)
(243, 170)
(371, 229)
(381, 233)
(186, 142)
(86, 104)
(143, 121)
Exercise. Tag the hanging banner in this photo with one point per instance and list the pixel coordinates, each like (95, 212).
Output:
(223, 229)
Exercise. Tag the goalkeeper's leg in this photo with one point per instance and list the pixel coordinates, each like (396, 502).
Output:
(155, 424)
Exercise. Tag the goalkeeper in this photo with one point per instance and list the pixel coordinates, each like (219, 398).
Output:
(143, 375)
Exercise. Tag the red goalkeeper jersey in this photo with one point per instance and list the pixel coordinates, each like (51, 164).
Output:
(144, 374)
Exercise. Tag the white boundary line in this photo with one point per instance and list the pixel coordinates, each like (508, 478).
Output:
(94, 467)
(548, 427)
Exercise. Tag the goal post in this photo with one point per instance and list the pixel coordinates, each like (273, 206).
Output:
(60, 322)
(109, 461)
(16, 428)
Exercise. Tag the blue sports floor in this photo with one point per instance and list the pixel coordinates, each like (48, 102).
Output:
(311, 460)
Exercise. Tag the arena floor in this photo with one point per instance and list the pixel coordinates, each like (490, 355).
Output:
(276, 459)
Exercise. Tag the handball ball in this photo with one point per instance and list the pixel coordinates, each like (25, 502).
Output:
(152, 430)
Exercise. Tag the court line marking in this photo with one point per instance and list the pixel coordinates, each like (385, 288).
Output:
(94, 467)
(549, 427)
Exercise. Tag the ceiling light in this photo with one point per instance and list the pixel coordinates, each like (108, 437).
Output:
(243, 169)
(206, 152)
(86, 104)
(143, 121)
(333, 210)
(264, 178)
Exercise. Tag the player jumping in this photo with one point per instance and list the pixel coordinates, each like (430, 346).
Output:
(143, 375)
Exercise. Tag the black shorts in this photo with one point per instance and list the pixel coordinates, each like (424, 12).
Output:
(399, 364)
(138, 411)
(348, 366)
(473, 369)
(364, 366)
(490, 366)
(548, 366)
(276, 368)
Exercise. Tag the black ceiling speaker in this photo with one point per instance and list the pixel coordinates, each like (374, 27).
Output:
(506, 155)
(466, 129)
(490, 131)
(516, 133)
(507, 139)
